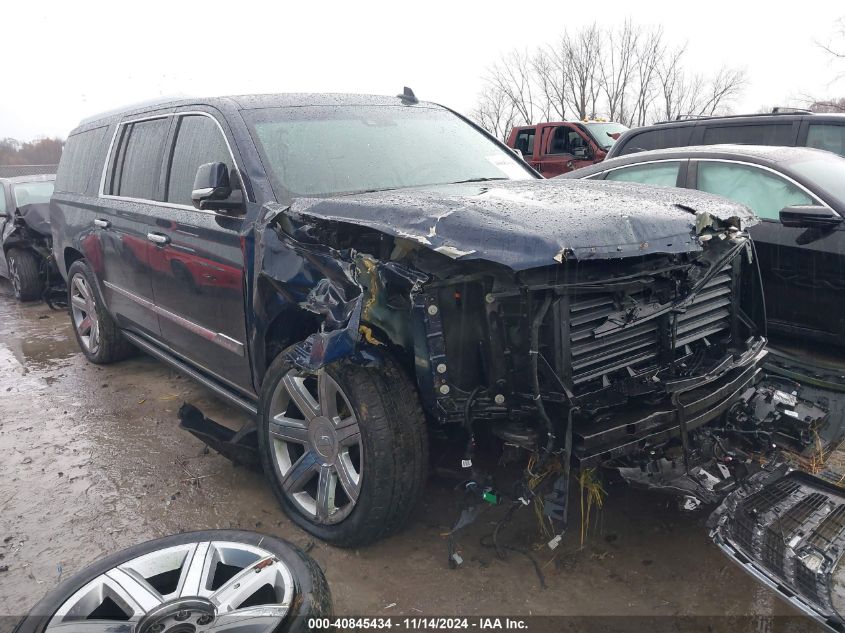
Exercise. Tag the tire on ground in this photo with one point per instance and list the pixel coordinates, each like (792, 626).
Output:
(113, 346)
(394, 442)
(311, 599)
(25, 270)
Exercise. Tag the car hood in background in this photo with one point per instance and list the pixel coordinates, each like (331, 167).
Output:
(529, 224)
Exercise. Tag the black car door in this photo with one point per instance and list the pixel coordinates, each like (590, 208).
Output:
(197, 264)
(122, 225)
(801, 268)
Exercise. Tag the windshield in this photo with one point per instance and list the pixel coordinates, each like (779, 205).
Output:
(320, 151)
(824, 172)
(605, 134)
(32, 192)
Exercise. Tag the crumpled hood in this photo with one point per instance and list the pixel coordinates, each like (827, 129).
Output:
(36, 216)
(532, 223)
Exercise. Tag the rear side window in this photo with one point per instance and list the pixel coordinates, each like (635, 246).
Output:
(763, 192)
(137, 160)
(81, 164)
(198, 141)
(664, 174)
(658, 138)
(827, 136)
(762, 134)
(525, 141)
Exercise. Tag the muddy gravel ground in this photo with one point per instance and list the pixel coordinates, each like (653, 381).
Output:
(92, 460)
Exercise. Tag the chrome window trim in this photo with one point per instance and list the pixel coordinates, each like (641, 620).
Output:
(644, 162)
(160, 203)
(814, 196)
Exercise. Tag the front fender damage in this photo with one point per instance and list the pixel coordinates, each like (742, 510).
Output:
(357, 299)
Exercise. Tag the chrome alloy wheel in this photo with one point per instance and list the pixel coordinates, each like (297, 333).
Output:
(211, 586)
(316, 445)
(83, 310)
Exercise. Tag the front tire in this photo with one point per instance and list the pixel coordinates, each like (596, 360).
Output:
(345, 448)
(25, 274)
(96, 332)
(236, 580)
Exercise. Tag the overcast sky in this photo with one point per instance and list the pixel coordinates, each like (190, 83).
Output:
(68, 60)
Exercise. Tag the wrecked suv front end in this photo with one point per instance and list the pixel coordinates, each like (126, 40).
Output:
(604, 321)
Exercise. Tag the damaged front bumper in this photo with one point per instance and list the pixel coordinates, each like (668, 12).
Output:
(787, 529)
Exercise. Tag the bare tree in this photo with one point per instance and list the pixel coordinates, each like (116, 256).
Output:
(552, 78)
(495, 112)
(580, 56)
(837, 48)
(828, 105)
(627, 74)
(512, 76)
(616, 65)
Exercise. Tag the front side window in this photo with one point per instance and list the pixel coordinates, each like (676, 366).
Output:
(664, 174)
(762, 191)
(323, 150)
(137, 163)
(198, 141)
(2, 198)
(827, 136)
(32, 192)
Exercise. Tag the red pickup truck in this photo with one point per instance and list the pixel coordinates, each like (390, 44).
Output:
(556, 148)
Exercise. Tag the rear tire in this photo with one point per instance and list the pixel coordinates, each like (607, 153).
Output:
(96, 332)
(349, 472)
(25, 274)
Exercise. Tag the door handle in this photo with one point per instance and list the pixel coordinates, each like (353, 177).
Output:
(158, 238)
(103, 224)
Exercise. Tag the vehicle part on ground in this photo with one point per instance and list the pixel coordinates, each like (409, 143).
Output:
(216, 580)
(241, 447)
(777, 420)
(25, 274)
(787, 529)
(96, 332)
(345, 447)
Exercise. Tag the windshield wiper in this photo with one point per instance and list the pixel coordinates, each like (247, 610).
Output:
(460, 182)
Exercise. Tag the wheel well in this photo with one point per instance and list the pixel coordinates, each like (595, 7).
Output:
(70, 256)
(289, 327)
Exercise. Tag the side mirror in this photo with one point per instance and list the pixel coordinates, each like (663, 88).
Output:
(808, 217)
(581, 153)
(212, 189)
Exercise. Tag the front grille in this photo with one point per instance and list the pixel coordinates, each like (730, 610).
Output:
(637, 348)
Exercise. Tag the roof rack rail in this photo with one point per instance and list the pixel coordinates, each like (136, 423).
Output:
(697, 117)
(788, 110)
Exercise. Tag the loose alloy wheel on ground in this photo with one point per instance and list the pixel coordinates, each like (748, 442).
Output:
(216, 581)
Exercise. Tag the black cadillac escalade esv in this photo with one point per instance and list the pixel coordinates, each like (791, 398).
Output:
(359, 271)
